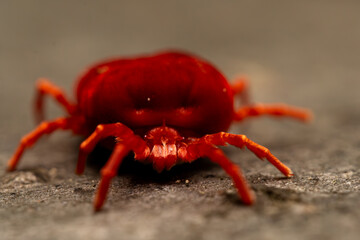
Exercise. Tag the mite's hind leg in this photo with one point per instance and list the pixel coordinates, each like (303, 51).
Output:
(240, 86)
(109, 171)
(45, 87)
(278, 110)
(102, 131)
(241, 141)
(43, 128)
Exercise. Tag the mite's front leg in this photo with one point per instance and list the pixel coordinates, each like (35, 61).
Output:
(109, 171)
(102, 131)
(234, 171)
(241, 141)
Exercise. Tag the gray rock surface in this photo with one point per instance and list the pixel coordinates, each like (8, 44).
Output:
(301, 53)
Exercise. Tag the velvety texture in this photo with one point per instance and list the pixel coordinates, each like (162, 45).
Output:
(171, 88)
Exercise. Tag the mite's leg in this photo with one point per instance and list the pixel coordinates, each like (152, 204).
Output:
(109, 171)
(241, 87)
(45, 87)
(217, 156)
(44, 128)
(103, 131)
(279, 110)
(241, 141)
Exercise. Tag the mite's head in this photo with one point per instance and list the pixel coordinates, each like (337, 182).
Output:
(164, 144)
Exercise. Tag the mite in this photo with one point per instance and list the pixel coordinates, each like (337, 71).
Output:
(167, 108)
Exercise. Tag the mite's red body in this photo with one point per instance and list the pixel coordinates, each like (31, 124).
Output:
(167, 108)
(182, 91)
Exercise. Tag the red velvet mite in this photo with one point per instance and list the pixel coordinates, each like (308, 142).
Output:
(167, 108)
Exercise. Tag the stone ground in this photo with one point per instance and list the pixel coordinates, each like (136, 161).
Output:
(301, 53)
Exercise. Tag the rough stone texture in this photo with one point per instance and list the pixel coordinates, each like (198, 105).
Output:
(302, 53)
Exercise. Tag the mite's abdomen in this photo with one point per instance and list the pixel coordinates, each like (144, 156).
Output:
(172, 88)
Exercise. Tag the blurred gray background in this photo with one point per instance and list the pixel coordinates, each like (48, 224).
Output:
(303, 53)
